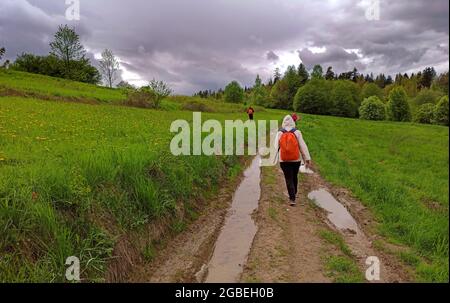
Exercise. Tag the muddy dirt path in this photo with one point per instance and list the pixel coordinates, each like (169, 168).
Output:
(289, 245)
(181, 259)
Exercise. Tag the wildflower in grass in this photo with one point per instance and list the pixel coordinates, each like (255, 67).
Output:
(34, 196)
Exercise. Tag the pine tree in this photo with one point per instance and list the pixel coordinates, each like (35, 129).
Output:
(302, 74)
(354, 74)
(292, 82)
(276, 75)
(329, 75)
(428, 76)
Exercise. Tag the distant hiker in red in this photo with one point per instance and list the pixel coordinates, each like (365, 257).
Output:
(292, 150)
(250, 112)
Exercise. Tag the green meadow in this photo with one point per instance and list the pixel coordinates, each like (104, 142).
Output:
(75, 177)
(398, 170)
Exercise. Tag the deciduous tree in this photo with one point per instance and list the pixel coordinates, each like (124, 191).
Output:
(109, 66)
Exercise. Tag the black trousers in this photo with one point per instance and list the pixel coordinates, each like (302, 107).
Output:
(290, 170)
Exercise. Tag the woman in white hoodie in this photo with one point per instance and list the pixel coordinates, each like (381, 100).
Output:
(291, 167)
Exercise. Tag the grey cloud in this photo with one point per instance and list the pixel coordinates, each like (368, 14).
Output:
(200, 44)
(271, 56)
(333, 56)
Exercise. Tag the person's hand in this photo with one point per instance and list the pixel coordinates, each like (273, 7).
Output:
(308, 164)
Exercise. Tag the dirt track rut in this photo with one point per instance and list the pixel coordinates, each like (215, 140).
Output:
(288, 246)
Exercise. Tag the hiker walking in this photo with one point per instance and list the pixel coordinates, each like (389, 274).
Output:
(292, 150)
(250, 112)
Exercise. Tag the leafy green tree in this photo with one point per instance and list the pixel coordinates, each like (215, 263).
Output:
(441, 112)
(303, 74)
(81, 70)
(398, 108)
(234, 92)
(279, 95)
(109, 66)
(317, 72)
(441, 83)
(425, 113)
(2, 52)
(314, 97)
(371, 89)
(355, 91)
(372, 108)
(343, 103)
(410, 85)
(427, 96)
(36, 64)
(160, 89)
(67, 46)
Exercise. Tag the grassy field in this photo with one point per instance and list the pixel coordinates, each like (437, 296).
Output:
(399, 170)
(74, 177)
(45, 86)
(64, 164)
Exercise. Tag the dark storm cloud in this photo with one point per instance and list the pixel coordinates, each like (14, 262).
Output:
(334, 56)
(196, 44)
(271, 56)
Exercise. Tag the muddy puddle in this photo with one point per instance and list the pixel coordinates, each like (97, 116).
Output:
(337, 213)
(235, 239)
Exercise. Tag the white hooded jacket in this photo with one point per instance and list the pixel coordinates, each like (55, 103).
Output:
(288, 124)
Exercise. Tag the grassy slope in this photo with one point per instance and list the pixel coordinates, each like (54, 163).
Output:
(41, 86)
(63, 164)
(400, 171)
(82, 161)
(56, 87)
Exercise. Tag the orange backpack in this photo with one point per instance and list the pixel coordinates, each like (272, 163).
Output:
(289, 146)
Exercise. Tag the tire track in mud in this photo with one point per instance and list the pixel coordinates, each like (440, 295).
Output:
(287, 246)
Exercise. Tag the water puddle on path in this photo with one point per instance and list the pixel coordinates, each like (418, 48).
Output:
(337, 213)
(235, 239)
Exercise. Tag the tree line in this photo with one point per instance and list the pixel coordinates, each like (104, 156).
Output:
(67, 59)
(420, 97)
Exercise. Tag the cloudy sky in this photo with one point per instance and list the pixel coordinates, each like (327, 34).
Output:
(204, 44)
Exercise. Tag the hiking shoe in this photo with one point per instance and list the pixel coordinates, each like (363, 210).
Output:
(293, 203)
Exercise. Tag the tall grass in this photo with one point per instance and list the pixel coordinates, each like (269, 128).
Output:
(73, 177)
(399, 170)
(67, 170)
